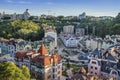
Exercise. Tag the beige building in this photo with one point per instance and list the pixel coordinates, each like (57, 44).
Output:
(98, 43)
(68, 29)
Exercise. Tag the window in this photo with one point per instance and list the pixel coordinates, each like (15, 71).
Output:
(9, 47)
(58, 72)
(49, 76)
(33, 68)
(53, 76)
(101, 74)
(59, 78)
(95, 68)
(58, 66)
(49, 71)
(114, 73)
(95, 73)
(93, 62)
(53, 69)
(91, 72)
(91, 67)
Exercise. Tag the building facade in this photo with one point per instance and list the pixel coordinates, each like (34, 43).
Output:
(51, 32)
(79, 32)
(104, 65)
(98, 43)
(69, 40)
(42, 65)
(68, 29)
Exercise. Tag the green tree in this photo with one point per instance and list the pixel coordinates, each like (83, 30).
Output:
(116, 29)
(27, 30)
(9, 71)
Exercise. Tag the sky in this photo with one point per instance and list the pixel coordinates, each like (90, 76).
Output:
(62, 7)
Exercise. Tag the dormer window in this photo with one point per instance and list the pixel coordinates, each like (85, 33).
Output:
(115, 73)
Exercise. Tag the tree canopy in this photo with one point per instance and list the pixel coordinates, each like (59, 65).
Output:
(28, 30)
(9, 71)
(33, 29)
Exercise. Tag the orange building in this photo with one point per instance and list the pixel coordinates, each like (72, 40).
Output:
(42, 65)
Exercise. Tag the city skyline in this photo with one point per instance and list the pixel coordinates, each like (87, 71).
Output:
(62, 7)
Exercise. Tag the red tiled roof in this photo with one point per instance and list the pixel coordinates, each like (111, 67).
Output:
(20, 55)
(42, 50)
(4, 40)
(44, 60)
(23, 54)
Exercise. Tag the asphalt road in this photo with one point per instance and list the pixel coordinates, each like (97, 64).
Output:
(60, 47)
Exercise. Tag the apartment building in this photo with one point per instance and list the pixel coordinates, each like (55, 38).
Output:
(42, 64)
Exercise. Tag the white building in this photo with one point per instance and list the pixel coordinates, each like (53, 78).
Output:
(14, 16)
(26, 15)
(79, 32)
(51, 32)
(94, 67)
(68, 29)
(12, 48)
(69, 40)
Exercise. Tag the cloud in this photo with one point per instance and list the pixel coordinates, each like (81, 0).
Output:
(9, 1)
(48, 3)
(18, 1)
(24, 2)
